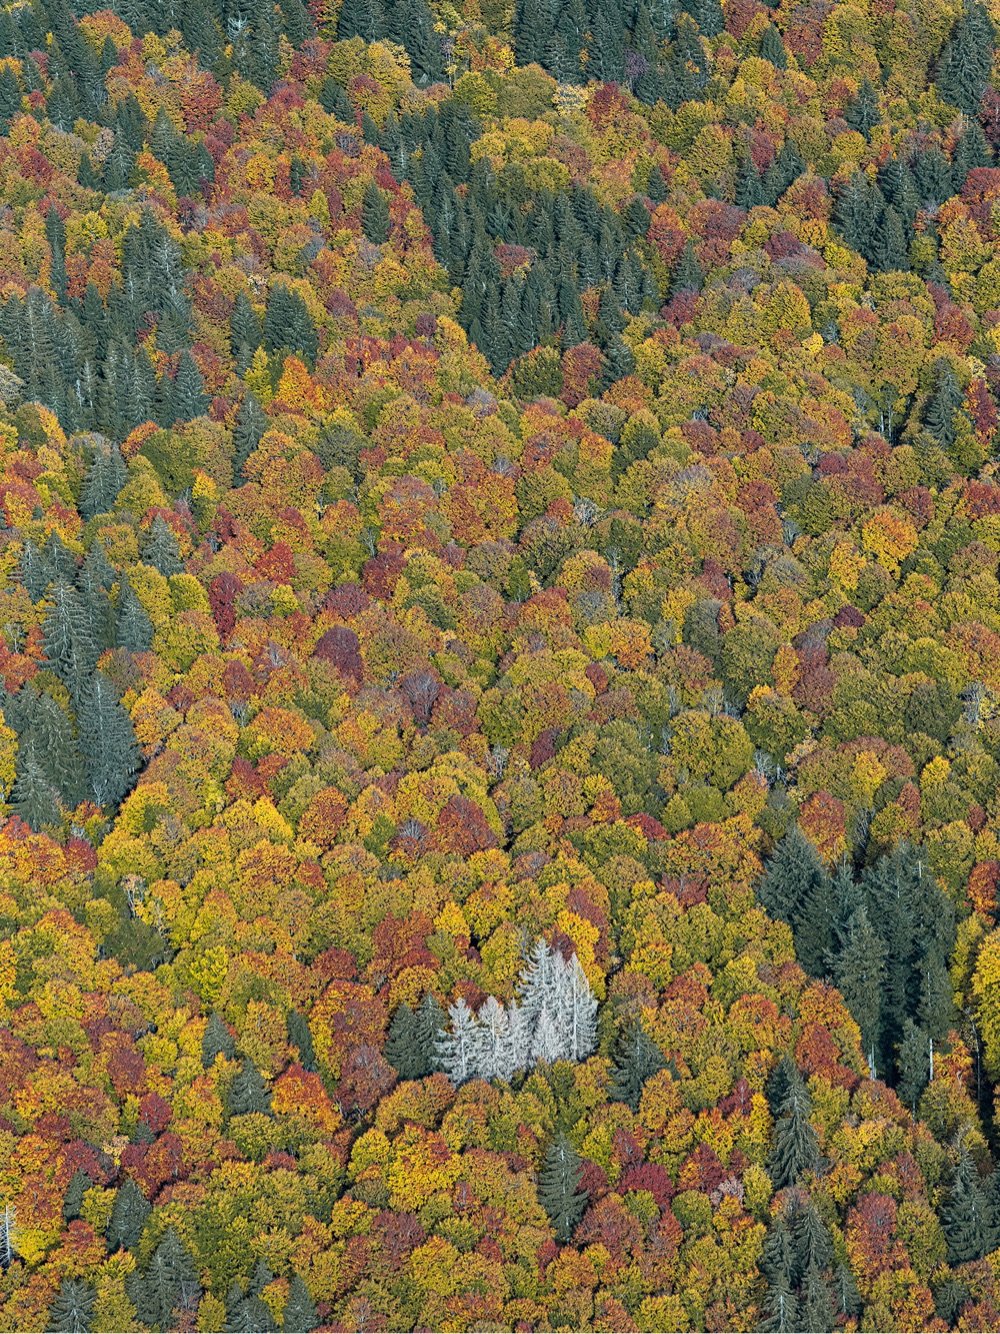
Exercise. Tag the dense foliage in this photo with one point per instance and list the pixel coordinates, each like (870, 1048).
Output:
(500, 664)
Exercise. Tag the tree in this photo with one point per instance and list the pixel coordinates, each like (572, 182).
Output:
(169, 1283)
(636, 1059)
(160, 548)
(111, 752)
(964, 1214)
(72, 1312)
(216, 1041)
(795, 1147)
(559, 1190)
(128, 1217)
(496, 1055)
(78, 1186)
(188, 398)
(375, 215)
(105, 478)
(781, 1311)
(248, 1092)
(133, 628)
(863, 114)
(859, 972)
(458, 1044)
(301, 1038)
(300, 1310)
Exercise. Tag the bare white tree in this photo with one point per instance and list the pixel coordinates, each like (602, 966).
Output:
(457, 1045)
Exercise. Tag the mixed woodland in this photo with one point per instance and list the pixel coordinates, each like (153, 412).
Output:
(499, 665)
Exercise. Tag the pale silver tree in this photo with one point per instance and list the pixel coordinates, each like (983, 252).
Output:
(457, 1045)
(579, 1011)
(495, 1056)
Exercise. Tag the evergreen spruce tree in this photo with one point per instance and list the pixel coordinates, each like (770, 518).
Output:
(216, 1041)
(687, 275)
(251, 423)
(559, 1190)
(78, 1186)
(846, 1298)
(33, 797)
(859, 973)
(69, 646)
(636, 1059)
(913, 1064)
(188, 399)
(107, 739)
(780, 1311)
(816, 1314)
(942, 405)
(299, 1316)
(375, 215)
(966, 60)
(795, 1148)
(160, 549)
(301, 1038)
(964, 1214)
(429, 1019)
(133, 628)
(245, 331)
(128, 1217)
(169, 1284)
(772, 48)
(248, 1092)
(72, 1312)
(863, 114)
(288, 325)
(400, 1046)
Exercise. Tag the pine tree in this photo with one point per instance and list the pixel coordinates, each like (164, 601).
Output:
(33, 796)
(107, 739)
(248, 1092)
(797, 889)
(811, 1240)
(795, 1148)
(429, 1019)
(72, 1312)
(966, 60)
(559, 1190)
(128, 1217)
(944, 401)
(496, 1056)
(69, 646)
(636, 1059)
(216, 1041)
(300, 1310)
(288, 325)
(964, 1214)
(245, 332)
(687, 275)
(772, 48)
(913, 1063)
(846, 1298)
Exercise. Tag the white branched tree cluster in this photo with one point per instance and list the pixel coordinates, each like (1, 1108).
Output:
(554, 1019)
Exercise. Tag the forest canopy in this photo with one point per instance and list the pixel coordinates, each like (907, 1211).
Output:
(499, 665)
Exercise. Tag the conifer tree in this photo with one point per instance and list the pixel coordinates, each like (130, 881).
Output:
(248, 1092)
(299, 1316)
(133, 628)
(216, 1041)
(863, 114)
(107, 738)
(859, 973)
(188, 398)
(375, 215)
(636, 1059)
(781, 1311)
(559, 1190)
(78, 1186)
(795, 1147)
(168, 1284)
(458, 1044)
(72, 1312)
(301, 1038)
(33, 797)
(160, 548)
(964, 1214)
(128, 1217)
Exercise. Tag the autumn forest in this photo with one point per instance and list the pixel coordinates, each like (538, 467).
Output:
(499, 665)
